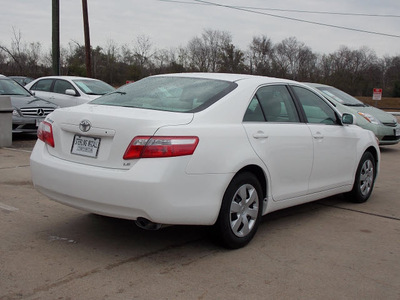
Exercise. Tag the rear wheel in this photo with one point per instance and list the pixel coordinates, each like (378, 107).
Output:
(365, 179)
(240, 212)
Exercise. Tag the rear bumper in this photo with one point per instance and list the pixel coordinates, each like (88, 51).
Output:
(156, 189)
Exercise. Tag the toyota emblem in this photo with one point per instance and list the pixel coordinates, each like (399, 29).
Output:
(85, 125)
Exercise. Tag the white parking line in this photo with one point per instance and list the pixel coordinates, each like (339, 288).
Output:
(7, 207)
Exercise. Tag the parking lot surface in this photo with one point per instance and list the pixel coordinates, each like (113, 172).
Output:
(330, 249)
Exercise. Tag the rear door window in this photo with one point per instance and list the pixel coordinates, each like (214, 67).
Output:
(272, 104)
(43, 85)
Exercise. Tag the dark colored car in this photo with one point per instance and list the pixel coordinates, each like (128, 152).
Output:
(28, 110)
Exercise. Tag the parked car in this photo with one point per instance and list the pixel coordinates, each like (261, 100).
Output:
(28, 110)
(68, 90)
(381, 123)
(203, 149)
(22, 80)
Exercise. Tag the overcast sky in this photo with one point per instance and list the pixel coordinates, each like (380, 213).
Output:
(170, 24)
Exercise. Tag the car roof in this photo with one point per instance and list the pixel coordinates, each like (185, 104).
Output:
(5, 77)
(313, 84)
(66, 77)
(230, 77)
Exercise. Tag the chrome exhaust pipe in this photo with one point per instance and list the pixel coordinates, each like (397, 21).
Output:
(147, 224)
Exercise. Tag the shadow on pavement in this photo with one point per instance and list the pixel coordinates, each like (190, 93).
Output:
(24, 140)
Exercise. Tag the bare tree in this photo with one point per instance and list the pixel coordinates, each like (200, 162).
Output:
(126, 55)
(24, 58)
(391, 75)
(198, 55)
(163, 58)
(143, 53)
(349, 69)
(288, 56)
(111, 53)
(204, 52)
(355, 71)
(307, 65)
(231, 60)
(261, 53)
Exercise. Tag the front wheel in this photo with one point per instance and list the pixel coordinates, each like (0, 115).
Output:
(364, 180)
(240, 212)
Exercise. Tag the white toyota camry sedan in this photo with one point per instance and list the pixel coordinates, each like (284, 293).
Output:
(203, 149)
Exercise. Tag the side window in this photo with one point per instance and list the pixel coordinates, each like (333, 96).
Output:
(61, 86)
(43, 85)
(277, 104)
(254, 112)
(316, 110)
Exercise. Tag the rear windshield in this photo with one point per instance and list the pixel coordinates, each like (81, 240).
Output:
(176, 94)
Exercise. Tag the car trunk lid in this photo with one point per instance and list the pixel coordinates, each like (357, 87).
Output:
(98, 135)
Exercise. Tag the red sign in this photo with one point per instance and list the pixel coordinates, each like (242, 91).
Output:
(377, 94)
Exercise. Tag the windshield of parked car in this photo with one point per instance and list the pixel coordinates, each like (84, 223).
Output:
(10, 87)
(340, 96)
(93, 87)
(176, 94)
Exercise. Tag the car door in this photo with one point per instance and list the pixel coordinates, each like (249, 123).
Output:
(281, 141)
(334, 144)
(59, 94)
(42, 88)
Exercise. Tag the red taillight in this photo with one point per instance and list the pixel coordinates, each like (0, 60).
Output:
(161, 146)
(45, 133)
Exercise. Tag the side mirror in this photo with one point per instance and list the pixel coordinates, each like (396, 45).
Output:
(70, 92)
(348, 119)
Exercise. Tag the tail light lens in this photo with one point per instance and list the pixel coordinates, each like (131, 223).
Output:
(161, 146)
(45, 133)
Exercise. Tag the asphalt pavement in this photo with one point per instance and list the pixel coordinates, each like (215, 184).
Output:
(329, 249)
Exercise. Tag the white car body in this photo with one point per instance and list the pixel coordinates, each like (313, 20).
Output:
(68, 90)
(295, 162)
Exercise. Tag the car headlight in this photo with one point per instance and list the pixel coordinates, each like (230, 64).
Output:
(369, 118)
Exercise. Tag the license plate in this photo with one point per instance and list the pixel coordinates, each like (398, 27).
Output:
(85, 146)
(38, 121)
(397, 131)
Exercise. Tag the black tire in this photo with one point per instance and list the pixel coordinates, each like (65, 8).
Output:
(240, 212)
(364, 180)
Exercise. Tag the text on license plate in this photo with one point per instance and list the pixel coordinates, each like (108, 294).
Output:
(85, 145)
